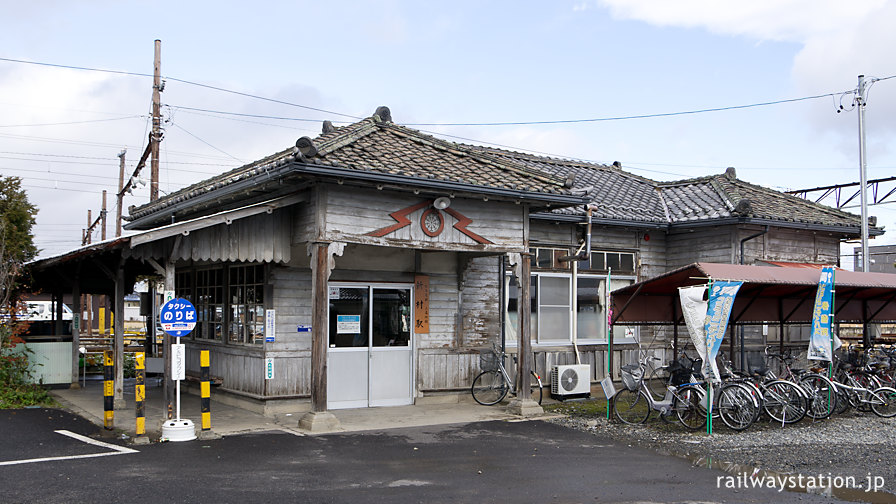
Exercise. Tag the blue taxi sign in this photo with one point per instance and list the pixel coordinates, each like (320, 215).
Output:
(178, 317)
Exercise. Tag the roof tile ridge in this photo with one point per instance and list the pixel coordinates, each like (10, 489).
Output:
(463, 150)
(210, 183)
(730, 199)
(355, 132)
(797, 199)
(580, 163)
(662, 197)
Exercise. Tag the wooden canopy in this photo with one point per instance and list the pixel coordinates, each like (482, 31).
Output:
(770, 294)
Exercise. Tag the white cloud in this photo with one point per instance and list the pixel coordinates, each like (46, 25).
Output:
(778, 20)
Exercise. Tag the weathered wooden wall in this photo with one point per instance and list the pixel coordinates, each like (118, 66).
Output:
(351, 216)
(258, 238)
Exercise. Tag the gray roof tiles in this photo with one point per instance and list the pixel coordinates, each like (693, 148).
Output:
(373, 145)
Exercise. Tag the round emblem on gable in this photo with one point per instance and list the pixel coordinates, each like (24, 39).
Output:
(432, 222)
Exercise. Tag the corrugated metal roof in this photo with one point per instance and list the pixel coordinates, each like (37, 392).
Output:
(769, 294)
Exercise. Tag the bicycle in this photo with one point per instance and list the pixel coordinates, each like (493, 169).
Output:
(635, 401)
(881, 400)
(820, 390)
(493, 383)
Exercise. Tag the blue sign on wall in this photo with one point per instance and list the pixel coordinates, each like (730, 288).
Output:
(178, 317)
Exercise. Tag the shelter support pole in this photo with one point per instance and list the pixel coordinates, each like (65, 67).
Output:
(322, 263)
(76, 332)
(674, 329)
(118, 322)
(781, 326)
(866, 333)
(731, 335)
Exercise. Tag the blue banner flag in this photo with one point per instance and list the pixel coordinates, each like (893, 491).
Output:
(822, 317)
(721, 299)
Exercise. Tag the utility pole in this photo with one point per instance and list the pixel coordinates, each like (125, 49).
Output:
(860, 102)
(120, 196)
(156, 122)
(89, 227)
(103, 217)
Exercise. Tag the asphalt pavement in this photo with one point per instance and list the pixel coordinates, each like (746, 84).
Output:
(495, 461)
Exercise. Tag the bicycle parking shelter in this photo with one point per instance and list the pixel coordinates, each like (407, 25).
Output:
(769, 295)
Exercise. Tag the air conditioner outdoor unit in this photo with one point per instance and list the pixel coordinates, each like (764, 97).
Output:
(572, 379)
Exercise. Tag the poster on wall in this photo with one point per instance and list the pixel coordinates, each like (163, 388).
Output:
(348, 324)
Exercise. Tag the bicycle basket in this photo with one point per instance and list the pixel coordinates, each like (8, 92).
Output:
(631, 375)
(488, 360)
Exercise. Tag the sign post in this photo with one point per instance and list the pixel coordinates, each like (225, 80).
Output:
(178, 318)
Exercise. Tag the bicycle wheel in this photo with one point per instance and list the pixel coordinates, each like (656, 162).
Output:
(737, 406)
(784, 401)
(689, 407)
(631, 407)
(535, 387)
(822, 396)
(489, 388)
(883, 402)
(657, 382)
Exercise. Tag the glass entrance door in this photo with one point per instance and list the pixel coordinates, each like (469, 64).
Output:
(370, 346)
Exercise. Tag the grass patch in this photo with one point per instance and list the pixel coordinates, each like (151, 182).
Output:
(585, 408)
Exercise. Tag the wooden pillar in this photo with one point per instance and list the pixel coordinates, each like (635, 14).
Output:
(525, 343)
(319, 297)
(322, 262)
(118, 323)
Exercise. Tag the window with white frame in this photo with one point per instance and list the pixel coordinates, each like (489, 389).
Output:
(552, 309)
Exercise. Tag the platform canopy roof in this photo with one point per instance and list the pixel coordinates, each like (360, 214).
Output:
(770, 294)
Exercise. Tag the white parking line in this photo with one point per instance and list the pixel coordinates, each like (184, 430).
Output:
(116, 450)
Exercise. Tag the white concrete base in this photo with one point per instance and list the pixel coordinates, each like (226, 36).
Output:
(524, 408)
(178, 430)
(319, 421)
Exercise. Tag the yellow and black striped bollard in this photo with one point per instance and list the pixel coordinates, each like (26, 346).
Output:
(205, 389)
(140, 392)
(108, 390)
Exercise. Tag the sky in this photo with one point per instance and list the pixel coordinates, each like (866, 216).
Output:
(243, 81)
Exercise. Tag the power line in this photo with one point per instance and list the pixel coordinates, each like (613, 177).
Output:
(641, 116)
(495, 123)
(69, 122)
(184, 81)
(203, 141)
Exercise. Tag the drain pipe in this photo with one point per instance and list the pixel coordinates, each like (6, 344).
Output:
(741, 328)
(579, 256)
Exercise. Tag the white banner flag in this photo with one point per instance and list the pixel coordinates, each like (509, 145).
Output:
(693, 307)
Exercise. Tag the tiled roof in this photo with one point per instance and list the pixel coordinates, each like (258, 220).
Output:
(385, 147)
(378, 146)
(622, 196)
(724, 195)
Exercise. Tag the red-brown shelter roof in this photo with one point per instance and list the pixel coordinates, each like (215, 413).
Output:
(770, 294)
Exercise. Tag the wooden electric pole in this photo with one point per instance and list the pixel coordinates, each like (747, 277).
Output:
(120, 195)
(156, 122)
(103, 218)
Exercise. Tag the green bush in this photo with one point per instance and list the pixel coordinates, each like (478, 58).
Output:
(16, 389)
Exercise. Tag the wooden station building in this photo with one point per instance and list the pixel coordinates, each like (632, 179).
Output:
(368, 266)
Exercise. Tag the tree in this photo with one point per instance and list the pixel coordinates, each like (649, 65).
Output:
(16, 243)
(16, 248)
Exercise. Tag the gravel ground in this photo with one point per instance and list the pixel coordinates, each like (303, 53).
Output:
(851, 444)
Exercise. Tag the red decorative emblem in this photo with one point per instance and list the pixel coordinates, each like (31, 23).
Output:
(432, 222)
